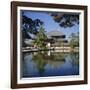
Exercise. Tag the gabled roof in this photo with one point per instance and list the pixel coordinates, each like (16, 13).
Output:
(55, 33)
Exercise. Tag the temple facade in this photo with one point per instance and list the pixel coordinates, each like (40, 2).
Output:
(57, 39)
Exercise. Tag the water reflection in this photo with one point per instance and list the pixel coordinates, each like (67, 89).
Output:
(44, 63)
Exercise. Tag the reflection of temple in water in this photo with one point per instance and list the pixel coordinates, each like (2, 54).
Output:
(54, 59)
(38, 64)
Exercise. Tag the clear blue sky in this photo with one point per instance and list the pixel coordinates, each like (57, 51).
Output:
(50, 24)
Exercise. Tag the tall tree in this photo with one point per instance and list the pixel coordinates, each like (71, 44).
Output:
(29, 26)
(41, 37)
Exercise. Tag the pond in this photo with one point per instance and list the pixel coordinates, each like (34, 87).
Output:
(49, 63)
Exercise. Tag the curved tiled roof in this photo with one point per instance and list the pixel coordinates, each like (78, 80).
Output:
(55, 33)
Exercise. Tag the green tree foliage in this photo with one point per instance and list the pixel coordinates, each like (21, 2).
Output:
(65, 19)
(41, 37)
(29, 26)
(74, 40)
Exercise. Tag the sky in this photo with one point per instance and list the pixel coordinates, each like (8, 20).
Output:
(50, 24)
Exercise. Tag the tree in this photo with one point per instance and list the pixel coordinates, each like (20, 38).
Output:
(29, 26)
(41, 37)
(65, 19)
(74, 40)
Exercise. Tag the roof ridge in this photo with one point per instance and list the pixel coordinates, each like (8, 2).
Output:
(57, 32)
